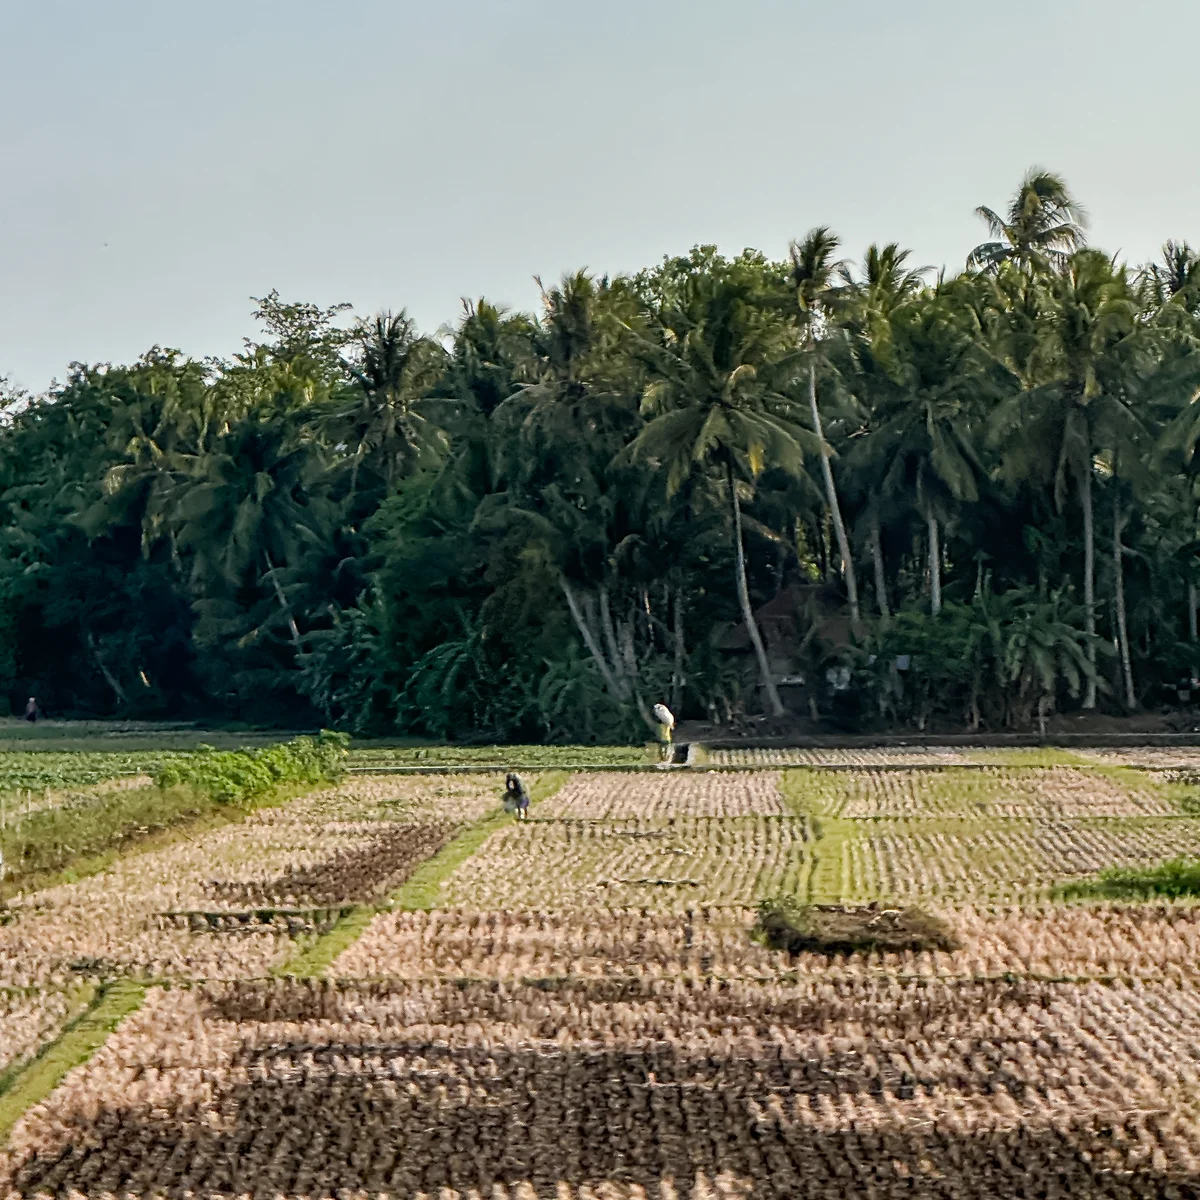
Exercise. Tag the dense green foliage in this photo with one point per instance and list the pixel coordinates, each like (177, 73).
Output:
(977, 494)
(1173, 880)
(237, 776)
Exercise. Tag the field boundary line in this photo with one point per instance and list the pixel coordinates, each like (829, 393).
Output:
(75, 1045)
(313, 962)
(420, 892)
(912, 740)
(646, 984)
(503, 768)
(725, 768)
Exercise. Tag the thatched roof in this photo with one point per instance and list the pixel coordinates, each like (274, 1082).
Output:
(788, 616)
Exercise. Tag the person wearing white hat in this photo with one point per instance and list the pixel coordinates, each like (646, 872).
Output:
(666, 723)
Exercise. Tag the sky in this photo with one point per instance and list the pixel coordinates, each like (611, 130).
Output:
(161, 162)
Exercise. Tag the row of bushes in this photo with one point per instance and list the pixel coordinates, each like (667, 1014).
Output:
(238, 776)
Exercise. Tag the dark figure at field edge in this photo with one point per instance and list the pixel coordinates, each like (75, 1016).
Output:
(516, 796)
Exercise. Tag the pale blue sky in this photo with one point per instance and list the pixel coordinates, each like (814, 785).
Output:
(163, 160)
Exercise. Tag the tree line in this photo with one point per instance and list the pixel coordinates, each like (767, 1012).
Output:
(535, 526)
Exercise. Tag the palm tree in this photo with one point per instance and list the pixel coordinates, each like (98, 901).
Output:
(582, 388)
(720, 399)
(160, 430)
(1043, 650)
(871, 300)
(490, 353)
(813, 269)
(250, 506)
(554, 444)
(926, 433)
(883, 283)
(1074, 402)
(1044, 224)
(1175, 278)
(395, 369)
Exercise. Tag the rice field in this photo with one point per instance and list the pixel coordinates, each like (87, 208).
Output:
(30, 1020)
(390, 988)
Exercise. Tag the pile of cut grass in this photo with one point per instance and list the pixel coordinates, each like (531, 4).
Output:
(785, 924)
(1173, 880)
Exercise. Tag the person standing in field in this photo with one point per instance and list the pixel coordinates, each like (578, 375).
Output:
(516, 796)
(31, 710)
(666, 728)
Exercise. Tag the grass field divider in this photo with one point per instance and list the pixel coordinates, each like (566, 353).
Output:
(419, 892)
(494, 768)
(108, 1005)
(71, 844)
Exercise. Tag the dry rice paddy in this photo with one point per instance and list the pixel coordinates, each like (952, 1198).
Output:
(28, 1021)
(583, 1013)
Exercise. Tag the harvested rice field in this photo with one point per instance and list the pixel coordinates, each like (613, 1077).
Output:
(390, 987)
(30, 1020)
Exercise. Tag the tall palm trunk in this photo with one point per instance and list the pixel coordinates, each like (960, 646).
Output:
(283, 604)
(677, 665)
(1191, 612)
(109, 677)
(615, 688)
(935, 565)
(835, 510)
(743, 589)
(1089, 578)
(880, 574)
(1122, 630)
(618, 668)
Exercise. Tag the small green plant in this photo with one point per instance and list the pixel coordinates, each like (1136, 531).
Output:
(237, 776)
(784, 923)
(1171, 880)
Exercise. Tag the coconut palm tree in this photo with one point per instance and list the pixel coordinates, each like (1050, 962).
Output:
(1075, 400)
(1176, 278)
(249, 507)
(490, 353)
(926, 433)
(870, 300)
(812, 273)
(883, 282)
(719, 398)
(395, 369)
(1043, 225)
(160, 430)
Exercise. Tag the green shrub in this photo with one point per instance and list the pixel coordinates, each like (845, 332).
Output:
(236, 776)
(1172, 880)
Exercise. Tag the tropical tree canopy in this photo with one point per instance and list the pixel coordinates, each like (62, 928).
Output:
(860, 493)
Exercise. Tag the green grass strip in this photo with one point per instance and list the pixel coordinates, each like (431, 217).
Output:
(1174, 880)
(80, 998)
(313, 962)
(419, 892)
(79, 1040)
(55, 846)
(1040, 756)
(424, 886)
